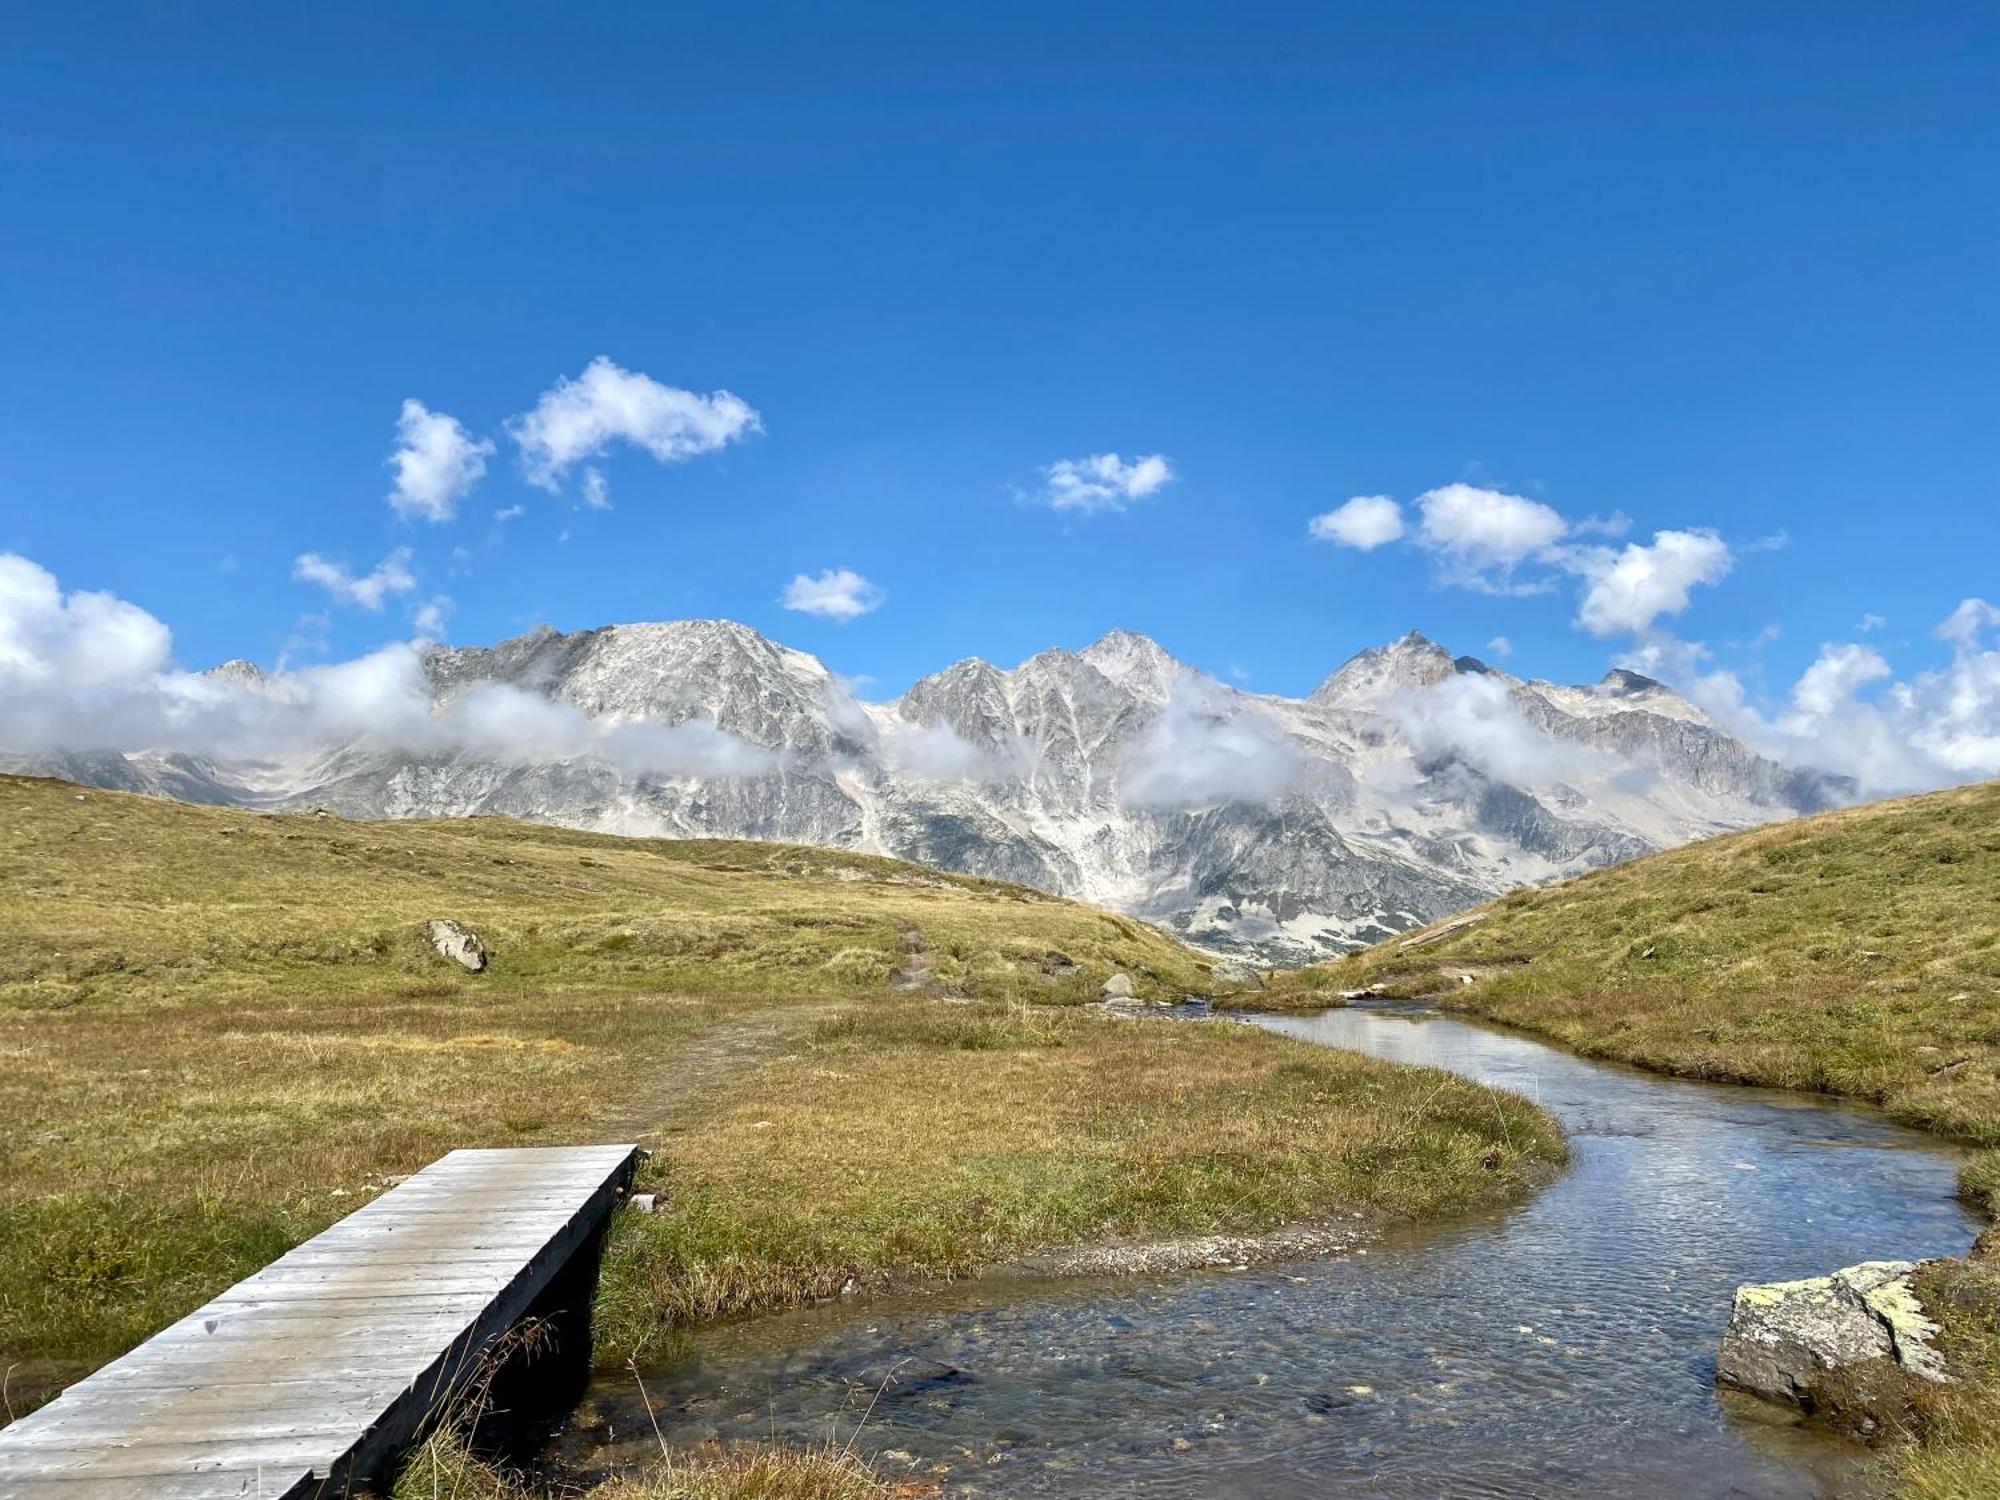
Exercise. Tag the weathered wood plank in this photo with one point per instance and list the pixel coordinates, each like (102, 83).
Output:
(318, 1368)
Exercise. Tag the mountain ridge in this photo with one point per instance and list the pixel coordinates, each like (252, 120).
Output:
(1408, 784)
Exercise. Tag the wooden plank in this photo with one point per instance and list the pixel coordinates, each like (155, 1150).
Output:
(313, 1372)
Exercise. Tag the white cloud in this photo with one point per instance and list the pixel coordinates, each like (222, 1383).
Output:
(1631, 588)
(77, 639)
(837, 594)
(1871, 622)
(89, 672)
(1364, 523)
(1104, 481)
(428, 619)
(1965, 624)
(1474, 719)
(1500, 647)
(937, 752)
(596, 489)
(579, 419)
(437, 463)
(1850, 714)
(392, 575)
(1498, 543)
(1835, 676)
(1205, 749)
(510, 513)
(1481, 536)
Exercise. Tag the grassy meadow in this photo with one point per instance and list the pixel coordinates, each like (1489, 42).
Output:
(224, 1030)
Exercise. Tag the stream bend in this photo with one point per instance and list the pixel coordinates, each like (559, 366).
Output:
(1562, 1346)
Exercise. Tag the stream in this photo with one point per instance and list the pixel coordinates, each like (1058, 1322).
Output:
(1561, 1346)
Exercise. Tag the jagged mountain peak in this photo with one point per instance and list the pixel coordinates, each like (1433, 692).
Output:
(1133, 661)
(1410, 661)
(1624, 680)
(1067, 772)
(238, 670)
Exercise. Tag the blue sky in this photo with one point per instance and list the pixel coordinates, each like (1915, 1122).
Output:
(1702, 268)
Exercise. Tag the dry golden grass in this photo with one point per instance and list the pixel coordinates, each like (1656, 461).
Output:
(444, 1470)
(223, 1031)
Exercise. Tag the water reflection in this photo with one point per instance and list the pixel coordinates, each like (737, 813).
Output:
(1563, 1347)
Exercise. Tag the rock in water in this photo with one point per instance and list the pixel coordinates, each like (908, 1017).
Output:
(1788, 1339)
(1118, 987)
(459, 944)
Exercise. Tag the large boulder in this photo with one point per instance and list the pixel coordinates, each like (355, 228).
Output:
(1117, 987)
(1806, 1343)
(459, 944)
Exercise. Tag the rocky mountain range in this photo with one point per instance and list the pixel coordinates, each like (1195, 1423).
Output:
(1409, 784)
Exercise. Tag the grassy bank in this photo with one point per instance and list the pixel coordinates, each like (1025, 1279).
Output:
(1854, 953)
(444, 1469)
(223, 1031)
(917, 1138)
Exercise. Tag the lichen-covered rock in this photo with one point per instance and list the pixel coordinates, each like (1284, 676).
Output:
(459, 944)
(1789, 1341)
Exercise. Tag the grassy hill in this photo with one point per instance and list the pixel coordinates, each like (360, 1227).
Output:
(1853, 952)
(222, 1031)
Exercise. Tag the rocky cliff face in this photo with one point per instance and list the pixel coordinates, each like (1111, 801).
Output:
(1408, 785)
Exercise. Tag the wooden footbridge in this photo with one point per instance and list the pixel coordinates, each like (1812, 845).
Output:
(308, 1377)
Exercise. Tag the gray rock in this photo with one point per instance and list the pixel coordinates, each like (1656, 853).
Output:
(1787, 1338)
(1118, 987)
(459, 944)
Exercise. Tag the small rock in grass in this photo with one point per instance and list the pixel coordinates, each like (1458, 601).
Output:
(1118, 987)
(459, 944)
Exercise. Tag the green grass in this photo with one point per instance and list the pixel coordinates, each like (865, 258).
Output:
(913, 1138)
(223, 1031)
(1853, 953)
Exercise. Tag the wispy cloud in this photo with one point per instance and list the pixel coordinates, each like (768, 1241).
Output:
(1207, 748)
(1104, 481)
(367, 591)
(428, 619)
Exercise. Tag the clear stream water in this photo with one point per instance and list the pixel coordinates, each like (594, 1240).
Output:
(1564, 1346)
